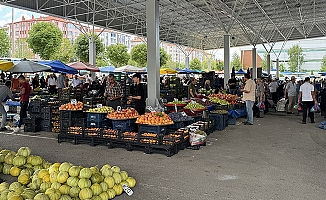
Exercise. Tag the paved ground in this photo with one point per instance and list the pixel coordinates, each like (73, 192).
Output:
(277, 158)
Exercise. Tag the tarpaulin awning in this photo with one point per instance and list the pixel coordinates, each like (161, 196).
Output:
(107, 69)
(129, 68)
(83, 66)
(58, 66)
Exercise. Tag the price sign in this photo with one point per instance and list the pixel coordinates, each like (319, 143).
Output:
(119, 109)
(193, 128)
(73, 101)
(127, 189)
(99, 105)
(192, 101)
(204, 100)
(183, 114)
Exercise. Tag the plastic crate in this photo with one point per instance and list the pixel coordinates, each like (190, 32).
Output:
(69, 114)
(150, 138)
(98, 124)
(47, 116)
(32, 128)
(37, 116)
(34, 109)
(46, 128)
(123, 125)
(64, 124)
(232, 121)
(33, 121)
(12, 109)
(78, 122)
(177, 125)
(110, 134)
(153, 129)
(197, 118)
(129, 136)
(92, 132)
(46, 123)
(220, 121)
(46, 109)
(35, 103)
(96, 117)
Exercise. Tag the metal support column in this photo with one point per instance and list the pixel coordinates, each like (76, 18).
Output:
(153, 52)
(254, 63)
(92, 54)
(187, 62)
(268, 64)
(209, 63)
(277, 68)
(226, 59)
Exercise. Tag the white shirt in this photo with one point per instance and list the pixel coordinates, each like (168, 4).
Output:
(291, 89)
(75, 82)
(306, 90)
(273, 87)
(51, 81)
(89, 80)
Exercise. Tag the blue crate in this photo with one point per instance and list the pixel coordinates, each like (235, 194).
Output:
(153, 129)
(123, 125)
(178, 125)
(210, 108)
(98, 124)
(220, 121)
(232, 120)
(96, 117)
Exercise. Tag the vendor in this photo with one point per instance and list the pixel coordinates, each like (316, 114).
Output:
(192, 93)
(113, 92)
(61, 81)
(52, 83)
(138, 97)
(232, 85)
(4, 92)
(76, 82)
(207, 85)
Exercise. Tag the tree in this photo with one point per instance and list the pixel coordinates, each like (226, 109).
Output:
(323, 64)
(65, 53)
(296, 58)
(82, 47)
(282, 68)
(195, 64)
(44, 39)
(236, 63)
(117, 54)
(139, 55)
(219, 65)
(263, 64)
(22, 50)
(4, 43)
(101, 60)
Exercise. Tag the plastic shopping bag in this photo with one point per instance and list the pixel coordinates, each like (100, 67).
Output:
(196, 139)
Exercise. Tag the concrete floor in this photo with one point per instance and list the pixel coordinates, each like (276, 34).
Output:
(277, 158)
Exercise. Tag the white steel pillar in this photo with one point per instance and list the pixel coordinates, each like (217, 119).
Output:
(187, 62)
(268, 64)
(226, 59)
(254, 63)
(277, 68)
(92, 54)
(153, 52)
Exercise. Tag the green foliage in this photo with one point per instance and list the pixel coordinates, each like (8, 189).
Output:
(296, 58)
(4, 43)
(117, 54)
(195, 64)
(218, 65)
(82, 47)
(132, 63)
(323, 64)
(65, 53)
(139, 55)
(22, 50)
(282, 67)
(236, 62)
(44, 39)
(101, 60)
(172, 65)
(263, 64)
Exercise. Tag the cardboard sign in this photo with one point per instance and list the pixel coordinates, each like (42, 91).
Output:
(73, 101)
(99, 105)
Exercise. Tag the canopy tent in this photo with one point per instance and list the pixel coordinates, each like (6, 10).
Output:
(299, 73)
(129, 68)
(167, 71)
(273, 70)
(83, 66)
(58, 66)
(107, 69)
(27, 66)
(186, 71)
(240, 72)
(286, 73)
(6, 65)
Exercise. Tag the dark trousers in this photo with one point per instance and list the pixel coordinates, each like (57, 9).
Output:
(52, 89)
(274, 97)
(23, 112)
(305, 106)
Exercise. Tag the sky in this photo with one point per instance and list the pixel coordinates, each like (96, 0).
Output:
(18, 13)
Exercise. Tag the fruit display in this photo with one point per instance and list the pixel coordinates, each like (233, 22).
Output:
(104, 109)
(194, 106)
(206, 92)
(154, 118)
(177, 102)
(221, 112)
(75, 130)
(178, 117)
(189, 112)
(204, 102)
(171, 139)
(149, 138)
(69, 106)
(41, 180)
(110, 133)
(129, 136)
(36, 98)
(92, 132)
(128, 113)
(224, 99)
(38, 89)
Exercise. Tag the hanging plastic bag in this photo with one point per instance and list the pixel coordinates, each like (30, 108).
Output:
(315, 109)
(262, 106)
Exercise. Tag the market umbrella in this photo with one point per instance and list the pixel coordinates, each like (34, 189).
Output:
(6, 65)
(92, 68)
(241, 71)
(186, 71)
(167, 71)
(129, 68)
(107, 69)
(286, 73)
(83, 66)
(29, 67)
(58, 66)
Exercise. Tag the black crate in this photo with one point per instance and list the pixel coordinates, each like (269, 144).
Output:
(78, 122)
(153, 129)
(129, 136)
(35, 103)
(47, 116)
(46, 123)
(46, 128)
(124, 125)
(37, 116)
(92, 132)
(111, 134)
(149, 138)
(64, 124)
(220, 121)
(46, 109)
(12, 109)
(32, 128)
(69, 114)
(34, 109)
(32, 121)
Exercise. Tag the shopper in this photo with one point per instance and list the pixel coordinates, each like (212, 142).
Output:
(43, 82)
(272, 88)
(249, 98)
(25, 91)
(260, 97)
(76, 82)
(113, 92)
(14, 83)
(139, 97)
(207, 85)
(307, 93)
(35, 81)
(232, 85)
(52, 84)
(192, 92)
(290, 92)
(4, 93)
(61, 81)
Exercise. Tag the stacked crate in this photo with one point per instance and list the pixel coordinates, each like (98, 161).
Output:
(46, 118)
(33, 124)
(54, 116)
(66, 94)
(92, 102)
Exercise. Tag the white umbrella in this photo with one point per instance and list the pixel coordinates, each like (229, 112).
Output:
(129, 68)
(28, 67)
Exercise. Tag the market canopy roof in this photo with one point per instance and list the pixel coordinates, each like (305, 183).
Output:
(107, 69)
(83, 66)
(129, 68)
(241, 71)
(58, 66)
(197, 23)
(6, 65)
(29, 67)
